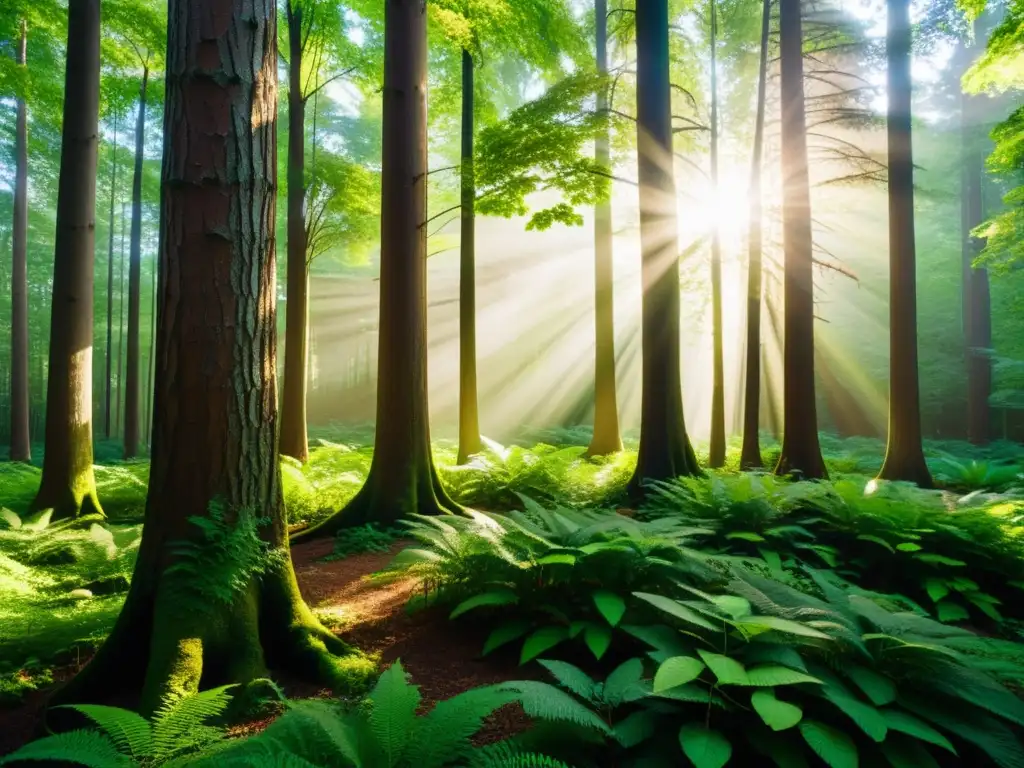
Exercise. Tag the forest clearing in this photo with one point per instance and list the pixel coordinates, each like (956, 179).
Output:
(641, 384)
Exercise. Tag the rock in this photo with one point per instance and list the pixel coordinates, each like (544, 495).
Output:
(80, 594)
(109, 585)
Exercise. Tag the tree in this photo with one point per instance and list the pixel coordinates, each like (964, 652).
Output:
(665, 450)
(716, 455)
(21, 448)
(197, 610)
(110, 287)
(606, 438)
(750, 456)
(801, 452)
(68, 485)
(402, 478)
(904, 455)
(469, 406)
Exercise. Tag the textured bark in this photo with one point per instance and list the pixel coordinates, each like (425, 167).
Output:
(606, 438)
(133, 361)
(108, 389)
(294, 440)
(904, 454)
(402, 478)
(716, 453)
(68, 486)
(120, 328)
(801, 452)
(152, 360)
(469, 409)
(665, 451)
(750, 457)
(21, 444)
(216, 416)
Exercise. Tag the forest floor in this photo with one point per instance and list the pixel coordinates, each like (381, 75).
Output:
(370, 615)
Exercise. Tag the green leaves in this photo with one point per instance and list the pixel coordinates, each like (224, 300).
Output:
(678, 670)
(777, 715)
(542, 640)
(833, 746)
(676, 609)
(728, 671)
(611, 606)
(704, 747)
(497, 597)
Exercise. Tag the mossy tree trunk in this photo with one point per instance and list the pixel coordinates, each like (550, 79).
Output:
(133, 362)
(294, 438)
(665, 450)
(750, 456)
(801, 451)
(716, 453)
(402, 478)
(904, 454)
(606, 438)
(469, 406)
(21, 443)
(68, 485)
(217, 333)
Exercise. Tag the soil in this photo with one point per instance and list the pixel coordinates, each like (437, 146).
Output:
(442, 658)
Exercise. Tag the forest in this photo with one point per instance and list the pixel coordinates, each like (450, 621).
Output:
(642, 383)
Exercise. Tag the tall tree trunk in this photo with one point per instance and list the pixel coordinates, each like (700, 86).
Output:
(294, 441)
(67, 485)
(120, 328)
(716, 455)
(665, 450)
(469, 408)
(132, 374)
(801, 452)
(606, 438)
(110, 290)
(750, 457)
(904, 455)
(21, 442)
(977, 306)
(217, 333)
(150, 364)
(402, 478)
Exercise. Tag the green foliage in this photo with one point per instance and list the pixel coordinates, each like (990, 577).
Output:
(364, 538)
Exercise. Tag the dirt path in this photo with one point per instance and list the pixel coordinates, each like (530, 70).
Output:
(442, 658)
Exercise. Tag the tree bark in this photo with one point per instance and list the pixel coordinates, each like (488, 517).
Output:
(21, 443)
(716, 454)
(216, 416)
(904, 455)
(150, 363)
(402, 478)
(120, 329)
(294, 440)
(469, 408)
(665, 451)
(68, 486)
(132, 373)
(750, 456)
(801, 452)
(110, 290)
(607, 437)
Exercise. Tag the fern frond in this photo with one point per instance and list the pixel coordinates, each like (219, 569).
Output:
(546, 702)
(446, 730)
(394, 701)
(87, 748)
(318, 731)
(130, 732)
(182, 723)
(505, 755)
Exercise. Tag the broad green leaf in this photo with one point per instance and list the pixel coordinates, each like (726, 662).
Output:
(771, 559)
(676, 609)
(745, 536)
(831, 745)
(706, 748)
(907, 753)
(753, 625)
(734, 605)
(541, 640)
(557, 559)
(771, 675)
(636, 728)
(777, 715)
(877, 540)
(597, 638)
(867, 718)
(610, 605)
(948, 612)
(678, 670)
(728, 671)
(908, 546)
(881, 690)
(928, 557)
(936, 589)
(904, 722)
(624, 683)
(505, 633)
(496, 597)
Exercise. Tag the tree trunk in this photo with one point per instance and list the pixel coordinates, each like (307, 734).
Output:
(977, 307)
(67, 485)
(120, 328)
(801, 452)
(402, 478)
(606, 438)
(665, 450)
(469, 408)
(110, 290)
(21, 442)
(716, 454)
(132, 374)
(750, 457)
(294, 441)
(904, 455)
(217, 333)
(152, 360)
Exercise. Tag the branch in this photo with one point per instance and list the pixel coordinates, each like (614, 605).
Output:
(442, 226)
(328, 81)
(439, 215)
